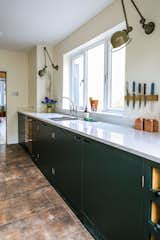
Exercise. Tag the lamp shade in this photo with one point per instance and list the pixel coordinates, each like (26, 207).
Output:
(42, 72)
(119, 38)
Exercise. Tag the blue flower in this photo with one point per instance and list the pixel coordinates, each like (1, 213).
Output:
(48, 101)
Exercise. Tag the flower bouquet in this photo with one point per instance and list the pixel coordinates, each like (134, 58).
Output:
(49, 104)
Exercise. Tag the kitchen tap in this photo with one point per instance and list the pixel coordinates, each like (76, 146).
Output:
(73, 107)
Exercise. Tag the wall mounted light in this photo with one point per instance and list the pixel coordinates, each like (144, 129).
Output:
(121, 38)
(43, 71)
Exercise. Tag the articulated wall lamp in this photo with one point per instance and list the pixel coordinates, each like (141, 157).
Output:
(121, 38)
(43, 71)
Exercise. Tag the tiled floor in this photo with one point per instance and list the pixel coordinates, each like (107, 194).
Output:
(2, 130)
(30, 209)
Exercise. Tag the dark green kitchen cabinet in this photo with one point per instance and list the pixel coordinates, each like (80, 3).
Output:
(21, 129)
(57, 153)
(44, 141)
(113, 191)
(68, 168)
(43, 147)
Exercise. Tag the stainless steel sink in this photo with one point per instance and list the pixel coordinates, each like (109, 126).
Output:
(63, 118)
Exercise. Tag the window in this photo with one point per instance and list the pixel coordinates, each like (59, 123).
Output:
(2, 93)
(95, 74)
(99, 73)
(117, 81)
(78, 80)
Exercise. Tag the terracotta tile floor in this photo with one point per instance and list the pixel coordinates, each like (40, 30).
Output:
(30, 209)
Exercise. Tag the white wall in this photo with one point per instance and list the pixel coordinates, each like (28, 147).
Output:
(143, 55)
(32, 64)
(143, 62)
(39, 87)
(16, 66)
(45, 83)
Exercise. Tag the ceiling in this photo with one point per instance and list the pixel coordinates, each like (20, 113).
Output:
(25, 23)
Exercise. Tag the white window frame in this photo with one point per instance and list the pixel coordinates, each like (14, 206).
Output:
(72, 79)
(107, 75)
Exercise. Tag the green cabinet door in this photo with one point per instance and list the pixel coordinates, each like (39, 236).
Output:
(67, 164)
(35, 140)
(44, 148)
(21, 129)
(113, 191)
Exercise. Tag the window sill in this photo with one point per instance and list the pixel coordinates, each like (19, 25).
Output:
(109, 113)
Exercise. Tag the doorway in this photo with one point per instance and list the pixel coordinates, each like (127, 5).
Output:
(3, 109)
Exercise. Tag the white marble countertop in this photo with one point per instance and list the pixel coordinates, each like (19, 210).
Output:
(140, 143)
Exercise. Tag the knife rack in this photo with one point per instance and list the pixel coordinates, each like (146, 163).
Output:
(153, 98)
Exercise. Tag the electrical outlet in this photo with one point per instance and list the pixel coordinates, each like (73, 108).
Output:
(15, 93)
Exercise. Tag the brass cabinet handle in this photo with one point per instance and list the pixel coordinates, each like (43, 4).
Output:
(53, 172)
(143, 181)
(53, 135)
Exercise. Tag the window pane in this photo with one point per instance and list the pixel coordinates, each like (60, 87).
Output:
(96, 74)
(78, 80)
(2, 93)
(118, 79)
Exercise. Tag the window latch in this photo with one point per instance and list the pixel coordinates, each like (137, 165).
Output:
(81, 82)
(105, 78)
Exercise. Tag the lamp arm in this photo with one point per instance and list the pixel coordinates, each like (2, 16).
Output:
(148, 27)
(129, 29)
(143, 19)
(45, 62)
(55, 67)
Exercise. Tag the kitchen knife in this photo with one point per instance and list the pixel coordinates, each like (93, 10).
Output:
(134, 93)
(152, 93)
(145, 92)
(152, 89)
(127, 93)
(140, 94)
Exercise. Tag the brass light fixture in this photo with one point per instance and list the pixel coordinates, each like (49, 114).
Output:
(43, 71)
(121, 38)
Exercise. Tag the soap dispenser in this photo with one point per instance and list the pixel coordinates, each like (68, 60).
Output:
(86, 113)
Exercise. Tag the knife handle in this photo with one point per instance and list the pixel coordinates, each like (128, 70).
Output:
(134, 87)
(139, 88)
(152, 89)
(127, 86)
(145, 88)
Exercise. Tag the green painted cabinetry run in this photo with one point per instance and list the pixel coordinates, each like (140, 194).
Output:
(109, 189)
